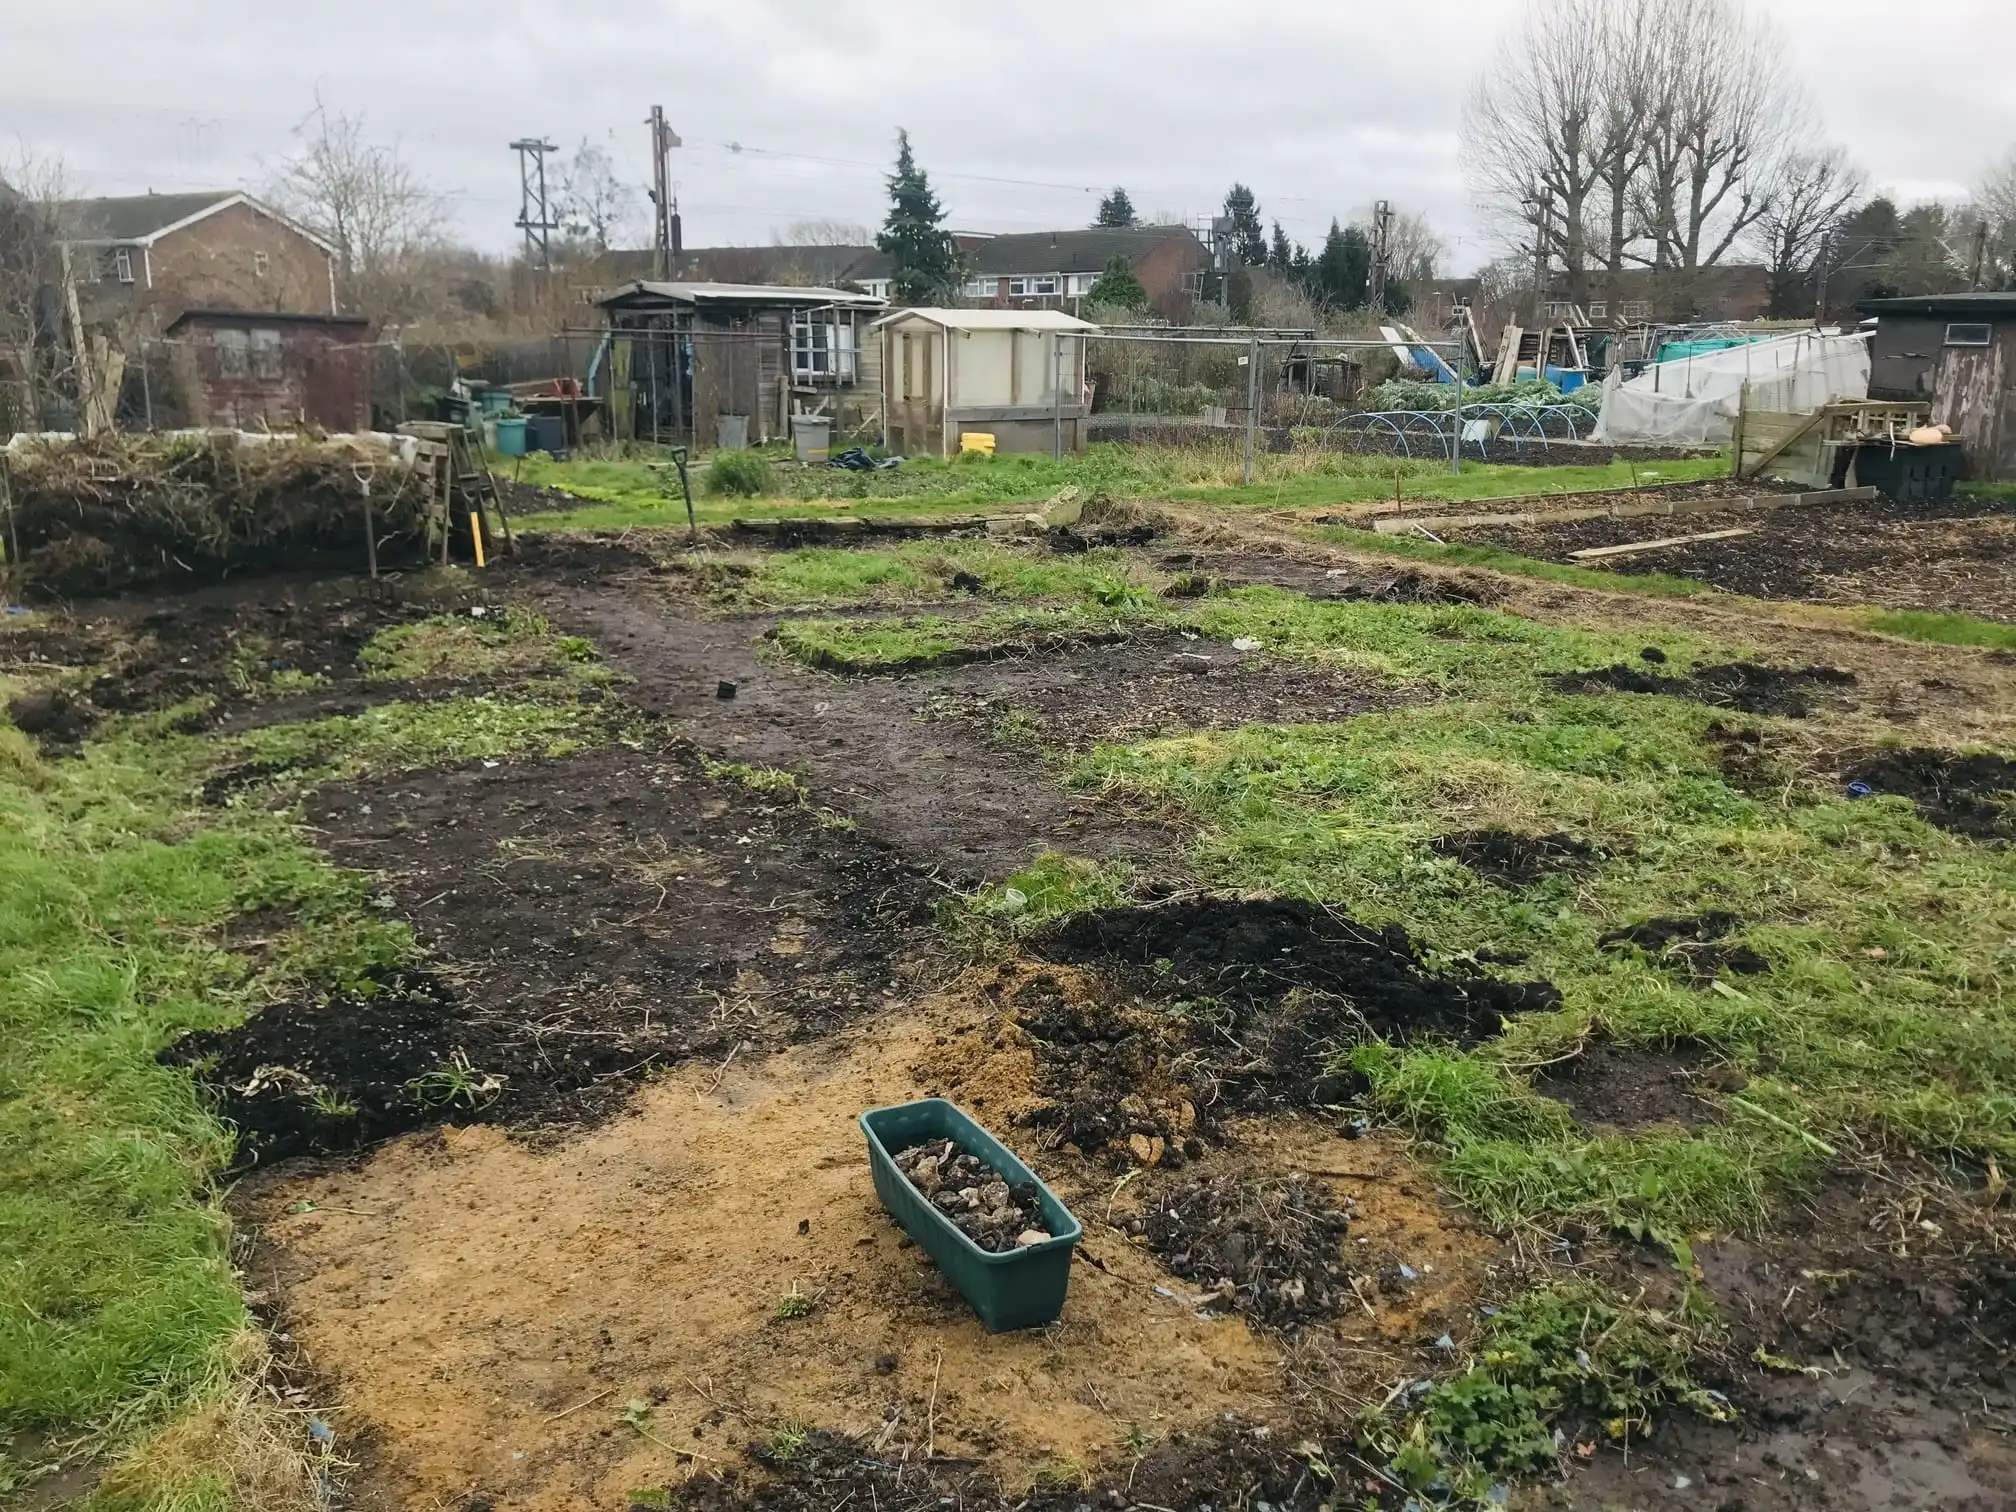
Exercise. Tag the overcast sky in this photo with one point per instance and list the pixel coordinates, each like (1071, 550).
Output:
(1022, 115)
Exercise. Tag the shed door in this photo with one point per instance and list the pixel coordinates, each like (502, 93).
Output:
(1970, 394)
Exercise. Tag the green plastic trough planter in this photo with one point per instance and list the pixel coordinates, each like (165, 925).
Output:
(1021, 1288)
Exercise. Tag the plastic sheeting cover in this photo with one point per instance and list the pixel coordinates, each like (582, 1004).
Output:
(1693, 402)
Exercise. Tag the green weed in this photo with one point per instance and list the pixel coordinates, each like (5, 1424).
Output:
(1567, 1357)
(403, 736)
(455, 1084)
(496, 643)
(737, 475)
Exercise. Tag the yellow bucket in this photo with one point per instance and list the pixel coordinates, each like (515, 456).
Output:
(977, 441)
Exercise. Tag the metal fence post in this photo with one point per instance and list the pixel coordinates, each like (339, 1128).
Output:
(1456, 367)
(1252, 400)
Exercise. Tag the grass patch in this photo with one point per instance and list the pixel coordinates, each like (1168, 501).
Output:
(914, 642)
(395, 737)
(1941, 629)
(498, 643)
(909, 572)
(123, 1334)
(1889, 943)
(1050, 887)
(624, 493)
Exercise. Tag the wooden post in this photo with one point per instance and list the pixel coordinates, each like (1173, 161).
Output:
(1736, 442)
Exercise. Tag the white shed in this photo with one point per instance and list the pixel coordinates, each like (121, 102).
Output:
(1018, 375)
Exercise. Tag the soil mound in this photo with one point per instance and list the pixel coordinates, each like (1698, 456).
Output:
(1968, 795)
(1272, 1250)
(1691, 945)
(1746, 686)
(1247, 953)
(332, 1074)
(1516, 860)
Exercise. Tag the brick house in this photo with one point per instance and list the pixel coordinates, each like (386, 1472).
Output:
(160, 254)
(1726, 291)
(208, 309)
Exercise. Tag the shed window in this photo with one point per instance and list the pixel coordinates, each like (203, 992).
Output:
(122, 265)
(1969, 335)
(822, 346)
(232, 354)
(266, 355)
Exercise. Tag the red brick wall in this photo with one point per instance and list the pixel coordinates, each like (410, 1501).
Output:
(216, 264)
(278, 376)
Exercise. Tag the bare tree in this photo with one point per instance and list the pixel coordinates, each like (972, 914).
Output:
(1991, 217)
(1811, 190)
(1721, 113)
(596, 208)
(40, 330)
(1554, 132)
(368, 203)
(825, 231)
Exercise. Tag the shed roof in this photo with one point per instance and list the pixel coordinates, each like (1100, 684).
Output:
(992, 320)
(267, 317)
(646, 291)
(1995, 306)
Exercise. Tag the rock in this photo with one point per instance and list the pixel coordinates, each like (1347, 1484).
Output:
(1028, 1237)
(994, 1195)
(885, 1364)
(966, 582)
(1146, 1149)
(1190, 661)
(1245, 643)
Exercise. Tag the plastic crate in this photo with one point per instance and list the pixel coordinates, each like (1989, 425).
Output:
(1021, 1288)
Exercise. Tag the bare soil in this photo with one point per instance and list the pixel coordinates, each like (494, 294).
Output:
(688, 987)
(1947, 557)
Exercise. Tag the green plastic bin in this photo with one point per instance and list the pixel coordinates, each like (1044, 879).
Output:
(510, 435)
(1018, 1289)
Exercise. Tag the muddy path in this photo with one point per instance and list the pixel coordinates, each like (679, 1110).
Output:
(929, 762)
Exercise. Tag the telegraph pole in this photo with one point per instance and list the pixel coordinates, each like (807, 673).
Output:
(664, 209)
(1382, 253)
(534, 217)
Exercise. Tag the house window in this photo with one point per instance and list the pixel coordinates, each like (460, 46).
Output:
(122, 265)
(1557, 309)
(1600, 310)
(259, 261)
(877, 287)
(822, 346)
(981, 288)
(233, 349)
(1637, 309)
(1034, 288)
(265, 352)
(1969, 335)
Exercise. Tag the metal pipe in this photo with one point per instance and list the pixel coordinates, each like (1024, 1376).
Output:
(1252, 403)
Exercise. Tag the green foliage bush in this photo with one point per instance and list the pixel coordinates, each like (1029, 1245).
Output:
(738, 475)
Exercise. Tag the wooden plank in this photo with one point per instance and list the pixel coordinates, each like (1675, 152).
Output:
(1631, 548)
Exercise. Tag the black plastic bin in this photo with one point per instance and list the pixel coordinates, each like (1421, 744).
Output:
(1022, 1288)
(1908, 474)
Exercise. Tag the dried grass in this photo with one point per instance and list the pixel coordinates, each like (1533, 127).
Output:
(120, 511)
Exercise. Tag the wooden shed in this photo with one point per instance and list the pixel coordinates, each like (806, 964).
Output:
(1018, 375)
(684, 357)
(1961, 350)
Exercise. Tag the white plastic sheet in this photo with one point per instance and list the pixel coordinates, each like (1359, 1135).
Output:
(1693, 402)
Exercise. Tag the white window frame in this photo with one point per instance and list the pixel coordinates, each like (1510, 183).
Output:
(1636, 309)
(260, 263)
(122, 264)
(1557, 309)
(1600, 310)
(1036, 286)
(982, 288)
(825, 347)
(1986, 335)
